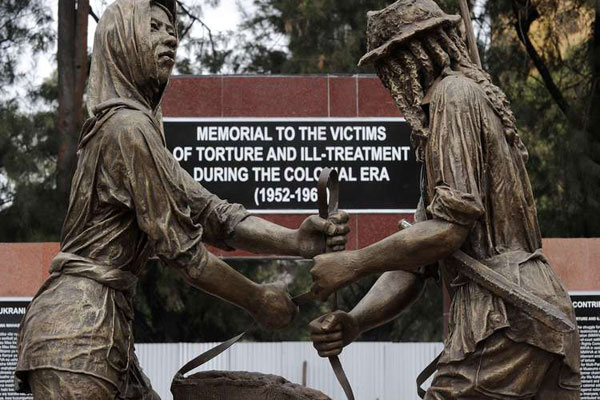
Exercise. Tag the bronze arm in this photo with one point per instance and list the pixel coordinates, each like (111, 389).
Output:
(269, 304)
(393, 292)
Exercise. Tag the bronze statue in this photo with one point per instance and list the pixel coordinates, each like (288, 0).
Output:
(476, 197)
(130, 200)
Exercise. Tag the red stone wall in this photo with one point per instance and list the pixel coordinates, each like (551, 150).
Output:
(577, 261)
(24, 266)
(278, 96)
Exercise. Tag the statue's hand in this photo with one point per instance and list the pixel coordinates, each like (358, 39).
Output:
(317, 235)
(274, 309)
(333, 271)
(331, 332)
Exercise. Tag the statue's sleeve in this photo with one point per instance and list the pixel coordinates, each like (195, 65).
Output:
(218, 217)
(454, 153)
(159, 193)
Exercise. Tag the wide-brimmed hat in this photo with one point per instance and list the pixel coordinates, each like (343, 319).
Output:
(400, 21)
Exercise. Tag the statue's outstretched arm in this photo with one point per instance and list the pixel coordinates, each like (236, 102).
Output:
(422, 244)
(269, 304)
(311, 238)
(393, 292)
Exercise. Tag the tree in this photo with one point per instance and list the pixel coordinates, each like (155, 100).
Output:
(28, 147)
(27, 136)
(72, 77)
(292, 37)
(545, 55)
(24, 27)
(299, 37)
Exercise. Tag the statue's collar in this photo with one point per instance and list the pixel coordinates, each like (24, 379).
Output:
(429, 93)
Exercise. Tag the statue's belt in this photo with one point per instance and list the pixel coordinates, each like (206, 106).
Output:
(65, 263)
(519, 297)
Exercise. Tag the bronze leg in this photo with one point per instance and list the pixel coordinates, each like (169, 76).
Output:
(49, 384)
(552, 389)
(500, 369)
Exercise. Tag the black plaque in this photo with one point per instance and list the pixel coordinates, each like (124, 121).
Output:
(272, 165)
(587, 310)
(11, 313)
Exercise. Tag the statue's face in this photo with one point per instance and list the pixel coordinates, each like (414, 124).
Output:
(164, 42)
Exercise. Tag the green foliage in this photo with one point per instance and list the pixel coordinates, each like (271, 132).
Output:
(564, 166)
(423, 321)
(290, 37)
(24, 26)
(30, 208)
(28, 140)
(324, 36)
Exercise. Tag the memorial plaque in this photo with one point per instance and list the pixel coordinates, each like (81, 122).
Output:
(587, 310)
(272, 165)
(12, 310)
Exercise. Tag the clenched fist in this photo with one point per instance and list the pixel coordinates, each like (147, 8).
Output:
(317, 235)
(333, 271)
(331, 332)
(274, 309)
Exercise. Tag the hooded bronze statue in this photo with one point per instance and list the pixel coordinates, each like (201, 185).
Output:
(476, 197)
(131, 200)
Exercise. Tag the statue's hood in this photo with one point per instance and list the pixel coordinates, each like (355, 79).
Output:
(123, 64)
(123, 71)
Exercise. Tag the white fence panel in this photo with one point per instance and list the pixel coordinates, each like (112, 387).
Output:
(403, 362)
(377, 371)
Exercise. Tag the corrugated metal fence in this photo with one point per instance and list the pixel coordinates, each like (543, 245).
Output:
(377, 371)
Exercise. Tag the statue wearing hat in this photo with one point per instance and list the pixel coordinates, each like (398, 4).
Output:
(476, 226)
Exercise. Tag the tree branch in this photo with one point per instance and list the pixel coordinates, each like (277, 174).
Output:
(5, 201)
(526, 15)
(194, 18)
(94, 15)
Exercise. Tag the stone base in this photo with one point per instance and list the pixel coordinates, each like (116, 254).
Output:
(232, 385)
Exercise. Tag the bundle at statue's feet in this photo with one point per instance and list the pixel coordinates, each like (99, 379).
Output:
(233, 385)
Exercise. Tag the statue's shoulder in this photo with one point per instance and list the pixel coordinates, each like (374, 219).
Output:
(125, 119)
(126, 127)
(457, 89)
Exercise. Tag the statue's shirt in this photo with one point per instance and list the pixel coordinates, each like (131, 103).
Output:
(130, 199)
(475, 176)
